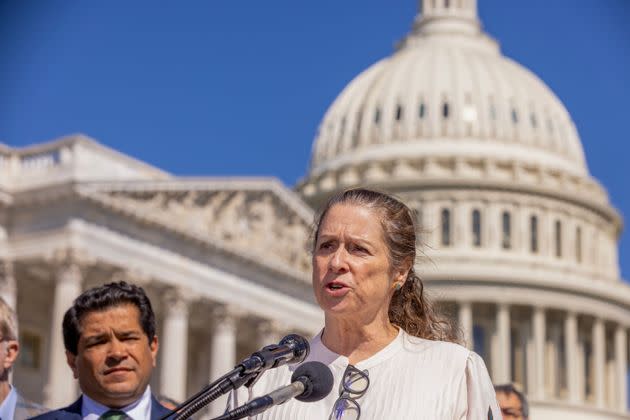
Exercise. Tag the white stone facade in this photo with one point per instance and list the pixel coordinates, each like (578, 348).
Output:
(521, 242)
(223, 260)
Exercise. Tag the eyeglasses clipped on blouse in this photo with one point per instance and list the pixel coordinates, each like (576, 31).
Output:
(354, 384)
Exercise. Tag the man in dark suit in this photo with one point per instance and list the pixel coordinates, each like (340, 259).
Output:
(111, 347)
(12, 404)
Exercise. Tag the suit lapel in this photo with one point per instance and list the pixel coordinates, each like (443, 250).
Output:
(158, 410)
(75, 407)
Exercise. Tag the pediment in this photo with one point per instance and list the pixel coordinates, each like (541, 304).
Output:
(257, 218)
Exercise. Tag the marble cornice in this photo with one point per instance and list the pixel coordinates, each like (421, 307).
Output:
(463, 173)
(617, 293)
(44, 194)
(245, 254)
(185, 184)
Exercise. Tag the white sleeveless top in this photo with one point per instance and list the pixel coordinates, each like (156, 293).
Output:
(410, 379)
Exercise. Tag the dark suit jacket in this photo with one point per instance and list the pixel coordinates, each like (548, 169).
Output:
(73, 412)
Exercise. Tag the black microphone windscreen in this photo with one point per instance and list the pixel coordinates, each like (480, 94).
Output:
(298, 344)
(319, 381)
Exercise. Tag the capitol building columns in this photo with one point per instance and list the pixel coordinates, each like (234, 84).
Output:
(268, 332)
(174, 346)
(62, 387)
(554, 354)
(621, 359)
(465, 317)
(503, 327)
(599, 361)
(223, 346)
(570, 349)
(539, 339)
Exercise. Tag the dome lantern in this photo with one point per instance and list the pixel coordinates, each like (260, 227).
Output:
(447, 16)
(447, 95)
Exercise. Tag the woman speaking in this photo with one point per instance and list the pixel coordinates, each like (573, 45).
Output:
(391, 355)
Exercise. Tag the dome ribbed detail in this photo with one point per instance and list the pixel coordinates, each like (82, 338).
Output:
(446, 93)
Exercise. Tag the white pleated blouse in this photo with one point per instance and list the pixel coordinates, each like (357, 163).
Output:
(410, 379)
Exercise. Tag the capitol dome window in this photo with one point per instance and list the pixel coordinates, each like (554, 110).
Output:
(532, 119)
(469, 112)
(422, 110)
(558, 238)
(533, 234)
(476, 228)
(514, 116)
(445, 218)
(377, 116)
(493, 112)
(506, 230)
(445, 110)
(357, 129)
(578, 244)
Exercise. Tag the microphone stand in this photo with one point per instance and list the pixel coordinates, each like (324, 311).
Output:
(246, 373)
(228, 382)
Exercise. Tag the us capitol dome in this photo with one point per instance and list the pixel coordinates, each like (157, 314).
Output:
(520, 240)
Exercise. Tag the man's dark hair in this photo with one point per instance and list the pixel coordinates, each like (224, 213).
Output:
(508, 389)
(102, 298)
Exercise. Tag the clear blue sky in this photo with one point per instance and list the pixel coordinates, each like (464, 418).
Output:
(238, 87)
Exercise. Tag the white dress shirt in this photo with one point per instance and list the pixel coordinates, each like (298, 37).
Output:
(138, 410)
(7, 408)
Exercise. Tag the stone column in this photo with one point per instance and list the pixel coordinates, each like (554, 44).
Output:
(621, 359)
(599, 362)
(580, 363)
(269, 332)
(174, 347)
(503, 329)
(465, 316)
(539, 326)
(61, 388)
(222, 351)
(8, 286)
(552, 361)
(570, 348)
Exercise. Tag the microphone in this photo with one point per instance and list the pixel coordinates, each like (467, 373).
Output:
(310, 382)
(291, 349)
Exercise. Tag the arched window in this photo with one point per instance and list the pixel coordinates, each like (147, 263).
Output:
(506, 237)
(476, 228)
(533, 234)
(399, 113)
(558, 237)
(514, 116)
(377, 116)
(446, 227)
(357, 129)
(422, 111)
(445, 110)
(578, 244)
